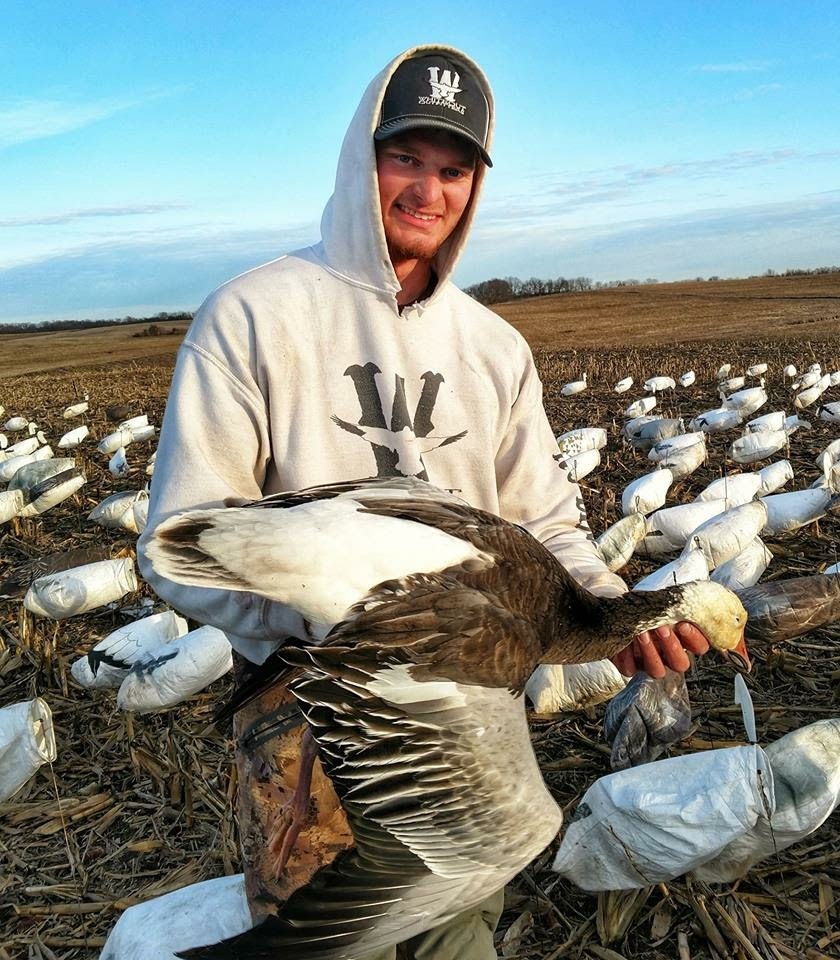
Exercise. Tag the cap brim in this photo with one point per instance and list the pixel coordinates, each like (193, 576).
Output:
(394, 127)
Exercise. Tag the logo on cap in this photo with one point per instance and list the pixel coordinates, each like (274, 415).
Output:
(444, 87)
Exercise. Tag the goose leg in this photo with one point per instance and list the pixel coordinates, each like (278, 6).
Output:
(288, 825)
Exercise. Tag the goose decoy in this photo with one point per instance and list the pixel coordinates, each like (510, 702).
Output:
(581, 440)
(623, 385)
(745, 569)
(117, 412)
(687, 379)
(689, 565)
(714, 421)
(413, 693)
(658, 384)
(670, 528)
(23, 575)
(789, 372)
(753, 447)
(787, 512)
(573, 387)
(76, 409)
(746, 401)
(659, 451)
(579, 465)
(27, 740)
(783, 609)
(830, 411)
(723, 371)
(683, 461)
(73, 437)
(757, 369)
(618, 542)
(646, 493)
(560, 688)
(722, 537)
(807, 396)
(76, 590)
(639, 408)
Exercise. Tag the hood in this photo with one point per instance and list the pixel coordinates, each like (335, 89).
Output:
(352, 237)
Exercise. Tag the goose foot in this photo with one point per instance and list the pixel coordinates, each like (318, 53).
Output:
(287, 828)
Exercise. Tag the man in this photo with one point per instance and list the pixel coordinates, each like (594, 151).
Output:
(359, 357)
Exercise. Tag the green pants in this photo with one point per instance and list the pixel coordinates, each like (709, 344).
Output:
(468, 937)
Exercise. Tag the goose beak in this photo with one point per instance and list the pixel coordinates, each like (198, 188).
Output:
(739, 656)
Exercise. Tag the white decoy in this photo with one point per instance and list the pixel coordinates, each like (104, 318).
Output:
(73, 437)
(623, 385)
(687, 379)
(632, 427)
(746, 401)
(753, 447)
(80, 589)
(119, 438)
(815, 368)
(728, 386)
(9, 467)
(646, 493)
(723, 371)
(639, 407)
(830, 412)
(828, 456)
(658, 384)
(775, 475)
(659, 451)
(16, 424)
(670, 528)
(715, 421)
(581, 439)
(145, 432)
(117, 511)
(808, 396)
(108, 662)
(159, 928)
(150, 466)
(118, 464)
(738, 488)
(561, 687)
(806, 381)
(806, 787)
(27, 740)
(4, 441)
(745, 569)
(689, 566)
(683, 461)
(768, 421)
(834, 378)
(617, 543)
(22, 448)
(580, 465)
(654, 431)
(76, 409)
(757, 369)
(787, 512)
(789, 372)
(46, 483)
(134, 423)
(833, 568)
(722, 537)
(573, 387)
(172, 672)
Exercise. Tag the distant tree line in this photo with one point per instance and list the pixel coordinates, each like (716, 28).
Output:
(499, 290)
(52, 325)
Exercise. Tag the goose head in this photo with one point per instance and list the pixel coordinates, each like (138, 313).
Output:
(712, 608)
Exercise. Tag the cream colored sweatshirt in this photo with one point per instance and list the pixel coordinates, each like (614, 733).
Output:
(304, 371)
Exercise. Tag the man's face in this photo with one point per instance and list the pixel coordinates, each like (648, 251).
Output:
(425, 183)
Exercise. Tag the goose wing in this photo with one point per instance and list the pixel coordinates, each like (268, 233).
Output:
(442, 793)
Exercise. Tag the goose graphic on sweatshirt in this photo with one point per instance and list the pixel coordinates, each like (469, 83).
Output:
(398, 445)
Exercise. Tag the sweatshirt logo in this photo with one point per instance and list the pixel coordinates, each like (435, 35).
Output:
(398, 445)
(444, 87)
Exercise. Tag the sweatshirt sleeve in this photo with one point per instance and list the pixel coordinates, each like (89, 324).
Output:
(536, 492)
(215, 446)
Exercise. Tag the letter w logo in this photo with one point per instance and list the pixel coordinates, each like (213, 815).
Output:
(398, 447)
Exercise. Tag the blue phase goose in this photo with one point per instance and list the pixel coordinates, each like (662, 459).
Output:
(431, 616)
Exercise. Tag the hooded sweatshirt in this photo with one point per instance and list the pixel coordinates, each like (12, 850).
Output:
(306, 371)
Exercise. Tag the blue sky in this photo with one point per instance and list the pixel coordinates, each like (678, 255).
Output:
(149, 151)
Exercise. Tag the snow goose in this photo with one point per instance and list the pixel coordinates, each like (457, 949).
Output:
(687, 379)
(623, 385)
(646, 493)
(414, 696)
(573, 387)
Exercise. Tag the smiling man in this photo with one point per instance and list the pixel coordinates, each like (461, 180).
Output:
(356, 357)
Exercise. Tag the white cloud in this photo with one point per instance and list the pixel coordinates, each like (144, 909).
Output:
(72, 216)
(744, 66)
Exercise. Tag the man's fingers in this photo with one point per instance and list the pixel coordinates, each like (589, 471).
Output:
(625, 662)
(691, 637)
(647, 655)
(671, 650)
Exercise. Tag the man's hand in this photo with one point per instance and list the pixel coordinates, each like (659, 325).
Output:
(665, 647)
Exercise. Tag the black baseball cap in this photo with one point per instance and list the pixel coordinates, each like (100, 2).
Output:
(440, 91)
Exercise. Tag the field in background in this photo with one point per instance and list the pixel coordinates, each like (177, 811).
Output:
(664, 314)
